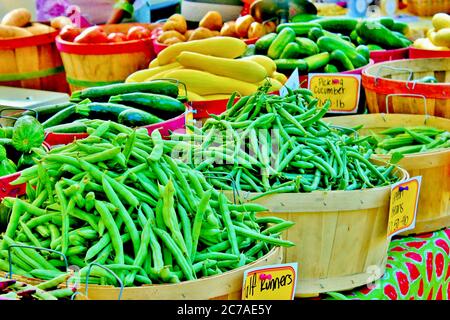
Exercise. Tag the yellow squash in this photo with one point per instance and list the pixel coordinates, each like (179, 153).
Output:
(154, 63)
(264, 61)
(280, 77)
(142, 75)
(225, 47)
(192, 96)
(244, 70)
(205, 83)
(162, 74)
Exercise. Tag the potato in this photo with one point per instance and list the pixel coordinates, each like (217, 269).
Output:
(60, 22)
(188, 33)
(215, 33)
(212, 21)
(441, 38)
(243, 24)
(270, 26)
(441, 21)
(229, 29)
(171, 34)
(200, 33)
(176, 22)
(13, 32)
(17, 18)
(172, 41)
(39, 28)
(256, 30)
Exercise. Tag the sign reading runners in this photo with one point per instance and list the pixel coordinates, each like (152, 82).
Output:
(274, 282)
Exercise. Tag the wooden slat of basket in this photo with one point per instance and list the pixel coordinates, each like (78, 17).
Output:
(28, 61)
(428, 7)
(8, 65)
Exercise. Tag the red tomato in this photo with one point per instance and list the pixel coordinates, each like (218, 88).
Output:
(93, 34)
(138, 32)
(117, 37)
(69, 33)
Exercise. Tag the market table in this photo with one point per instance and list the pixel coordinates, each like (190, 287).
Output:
(418, 268)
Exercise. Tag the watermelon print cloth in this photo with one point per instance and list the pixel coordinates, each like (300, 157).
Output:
(418, 268)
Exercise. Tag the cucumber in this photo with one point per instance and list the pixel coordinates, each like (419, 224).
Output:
(47, 109)
(374, 47)
(73, 127)
(59, 117)
(250, 51)
(329, 44)
(354, 36)
(338, 25)
(404, 39)
(340, 57)
(300, 28)
(287, 65)
(315, 33)
(103, 93)
(137, 118)
(307, 47)
(291, 51)
(282, 39)
(150, 102)
(331, 68)
(112, 111)
(388, 22)
(364, 51)
(317, 61)
(346, 38)
(376, 33)
(401, 27)
(339, 36)
(263, 43)
(360, 41)
(304, 17)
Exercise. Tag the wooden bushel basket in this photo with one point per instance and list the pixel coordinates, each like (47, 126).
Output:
(89, 65)
(32, 62)
(226, 286)
(391, 85)
(433, 211)
(340, 236)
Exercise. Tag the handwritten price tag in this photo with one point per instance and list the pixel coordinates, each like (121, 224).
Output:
(274, 282)
(343, 90)
(293, 82)
(403, 205)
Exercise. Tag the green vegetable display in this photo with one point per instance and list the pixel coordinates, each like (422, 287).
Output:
(354, 37)
(271, 144)
(11, 289)
(410, 140)
(117, 198)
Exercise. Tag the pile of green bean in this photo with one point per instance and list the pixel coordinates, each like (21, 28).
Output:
(410, 140)
(271, 144)
(115, 198)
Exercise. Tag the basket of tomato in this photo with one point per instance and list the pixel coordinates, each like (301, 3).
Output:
(106, 54)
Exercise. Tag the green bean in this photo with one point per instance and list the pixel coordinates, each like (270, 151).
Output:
(198, 219)
(112, 230)
(177, 254)
(228, 223)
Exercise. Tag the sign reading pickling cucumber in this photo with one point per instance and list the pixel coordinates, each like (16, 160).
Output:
(293, 82)
(274, 282)
(403, 205)
(343, 90)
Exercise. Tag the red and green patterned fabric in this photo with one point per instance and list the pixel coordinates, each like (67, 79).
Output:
(418, 268)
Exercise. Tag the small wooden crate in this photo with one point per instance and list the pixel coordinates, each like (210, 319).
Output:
(428, 7)
(89, 65)
(390, 87)
(33, 63)
(433, 211)
(340, 236)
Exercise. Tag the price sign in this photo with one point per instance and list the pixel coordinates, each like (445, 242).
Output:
(342, 90)
(292, 83)
(274, 282)
(403, 205)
